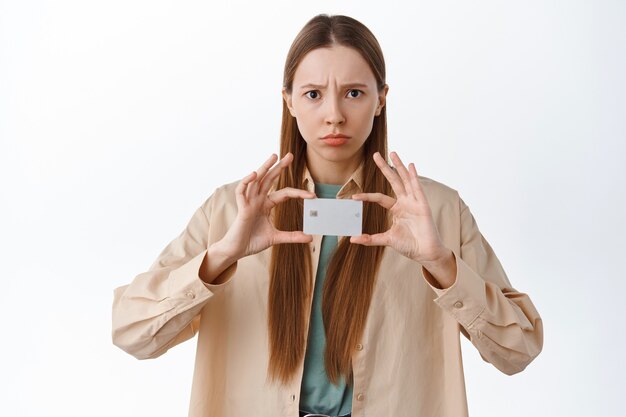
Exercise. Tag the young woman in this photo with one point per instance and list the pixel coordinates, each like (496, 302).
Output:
(289, 323)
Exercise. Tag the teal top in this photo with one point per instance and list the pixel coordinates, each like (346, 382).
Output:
(318, 394)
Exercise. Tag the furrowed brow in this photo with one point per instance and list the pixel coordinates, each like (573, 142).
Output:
(355, 85)
(312, 86)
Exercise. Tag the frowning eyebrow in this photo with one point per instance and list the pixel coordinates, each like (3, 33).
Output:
(322, 87)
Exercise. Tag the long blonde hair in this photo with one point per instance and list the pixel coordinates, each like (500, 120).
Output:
(351, 273)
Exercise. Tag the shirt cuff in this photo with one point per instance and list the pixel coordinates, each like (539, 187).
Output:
(465, 300)
(187, 288)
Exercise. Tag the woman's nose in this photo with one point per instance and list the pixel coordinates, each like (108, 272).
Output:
(334, 114)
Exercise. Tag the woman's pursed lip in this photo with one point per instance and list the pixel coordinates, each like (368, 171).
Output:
(335, 141)
(336, 136)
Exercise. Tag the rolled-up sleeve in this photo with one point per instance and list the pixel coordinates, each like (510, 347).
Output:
(502, 323)
(161, 307)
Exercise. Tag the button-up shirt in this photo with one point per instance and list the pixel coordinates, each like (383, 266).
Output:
(408, 362)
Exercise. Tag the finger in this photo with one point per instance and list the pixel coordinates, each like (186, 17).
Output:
(240, 191)
(401, 169)
(291, 237)
(390, 174)
(379, 198)
(378, 239)
(262, 171)
(267, 165)
(289, 192)
(416, 185)
(268, 179)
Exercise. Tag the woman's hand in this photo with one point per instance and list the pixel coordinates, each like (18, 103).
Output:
(413, 232)
(253, 231)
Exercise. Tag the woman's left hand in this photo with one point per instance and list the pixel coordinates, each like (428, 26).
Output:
(413, 232)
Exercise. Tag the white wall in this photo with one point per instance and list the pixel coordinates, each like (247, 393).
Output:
(118, 118)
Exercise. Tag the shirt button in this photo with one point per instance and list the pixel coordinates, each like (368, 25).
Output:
(359, 346)
(293, 397)
(458, 304)
(313, 248)
(190, 295)
(360, 397)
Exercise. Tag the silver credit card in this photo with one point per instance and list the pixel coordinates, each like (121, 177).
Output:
(334, 217)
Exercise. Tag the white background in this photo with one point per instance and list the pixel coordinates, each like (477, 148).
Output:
(119, 118)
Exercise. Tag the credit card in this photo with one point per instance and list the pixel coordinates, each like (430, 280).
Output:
(334, 217)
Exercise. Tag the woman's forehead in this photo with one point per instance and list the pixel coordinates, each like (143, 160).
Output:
(335, 64)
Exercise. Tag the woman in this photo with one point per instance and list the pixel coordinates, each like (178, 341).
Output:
(290, 323)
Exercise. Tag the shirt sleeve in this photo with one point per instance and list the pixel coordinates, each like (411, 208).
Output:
(161, 307)
(502, 323)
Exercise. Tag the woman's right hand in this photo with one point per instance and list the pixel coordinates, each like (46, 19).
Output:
(253, 231)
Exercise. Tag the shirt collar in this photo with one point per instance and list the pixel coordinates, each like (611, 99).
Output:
(352, 186)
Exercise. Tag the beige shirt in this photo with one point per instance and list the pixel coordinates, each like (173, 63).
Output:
(409, 360)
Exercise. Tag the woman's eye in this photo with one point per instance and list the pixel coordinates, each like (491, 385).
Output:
(354, 93)
(312, 94)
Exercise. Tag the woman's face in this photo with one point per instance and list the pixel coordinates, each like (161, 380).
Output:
(334, 99)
